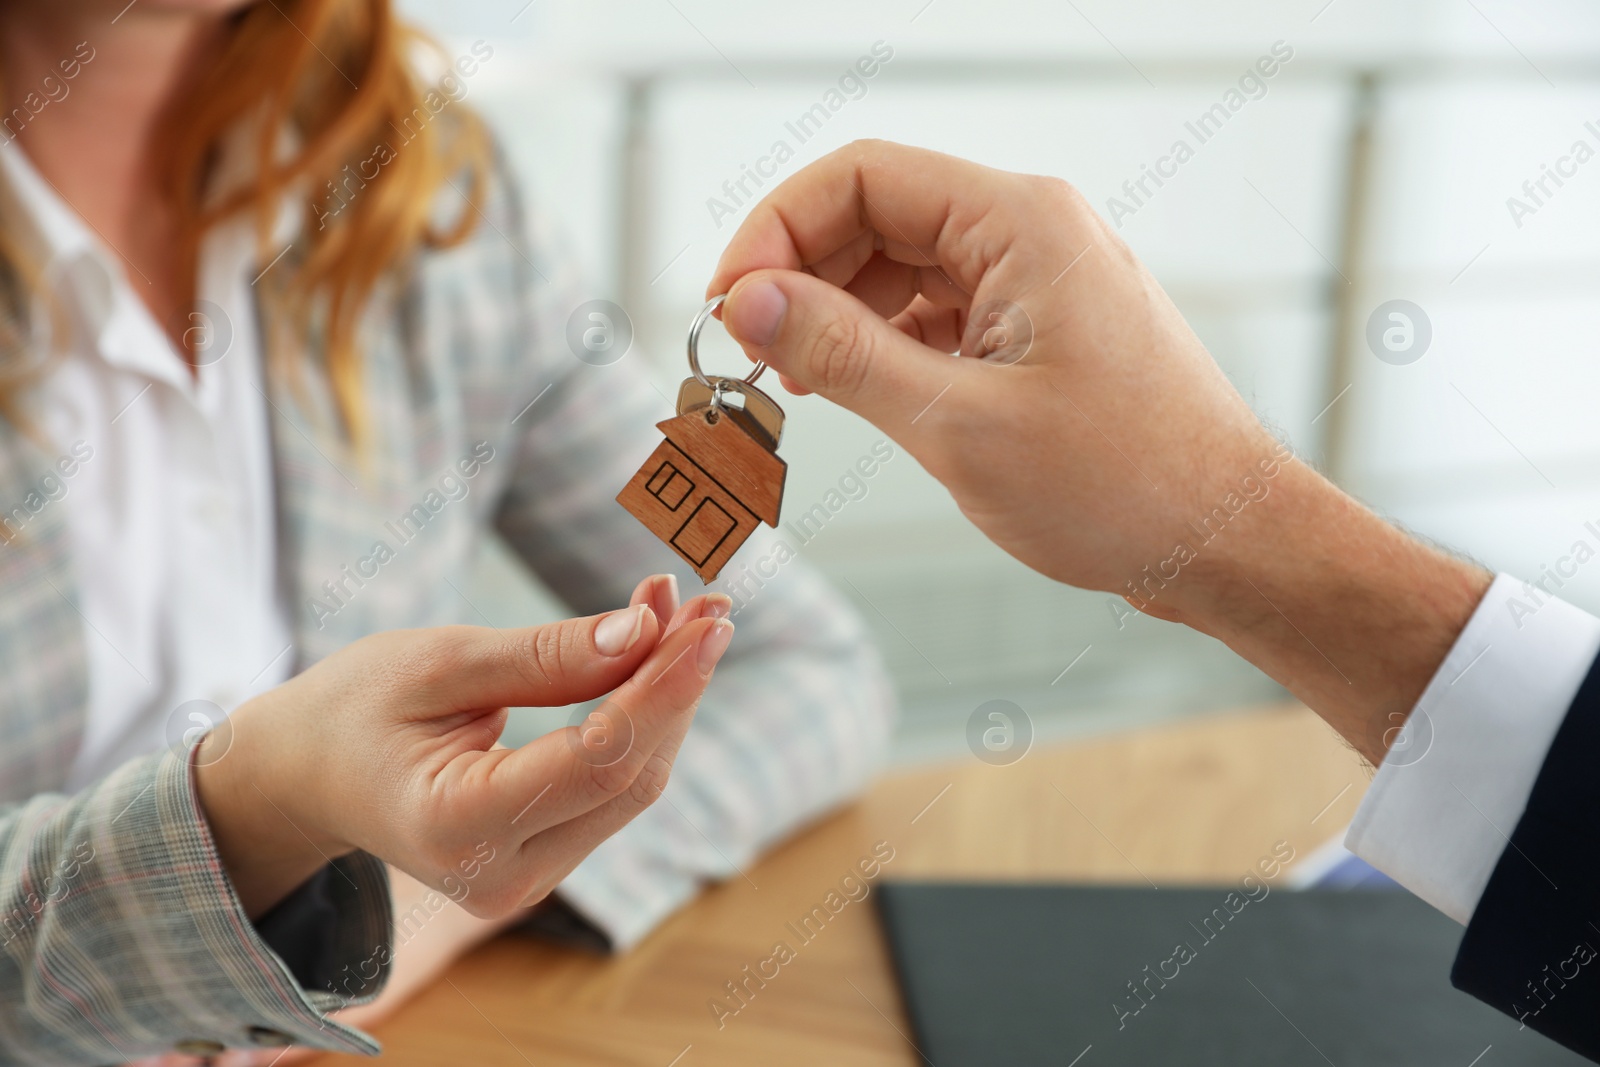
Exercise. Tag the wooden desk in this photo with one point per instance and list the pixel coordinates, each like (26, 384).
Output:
(1195, 802)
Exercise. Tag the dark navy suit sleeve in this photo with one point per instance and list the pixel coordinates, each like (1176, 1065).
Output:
(1532, 949)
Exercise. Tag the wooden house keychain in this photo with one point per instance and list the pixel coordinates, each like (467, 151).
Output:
(717, 475)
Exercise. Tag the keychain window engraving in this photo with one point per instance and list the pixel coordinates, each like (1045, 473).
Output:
(717, 476)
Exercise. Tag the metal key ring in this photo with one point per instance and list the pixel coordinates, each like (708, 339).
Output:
(694, 349)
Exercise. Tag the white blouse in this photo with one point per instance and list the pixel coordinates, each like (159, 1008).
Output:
(171, 514)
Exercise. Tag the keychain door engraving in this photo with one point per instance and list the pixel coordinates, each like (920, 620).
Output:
(717, 475)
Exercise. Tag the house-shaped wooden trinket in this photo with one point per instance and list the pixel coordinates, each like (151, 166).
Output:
(707, 486)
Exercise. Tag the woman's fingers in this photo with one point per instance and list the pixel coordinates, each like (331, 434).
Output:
(468, 668)
(704, 606)
(660, 592)
(505, 797)
(551, 855)
(585, 765)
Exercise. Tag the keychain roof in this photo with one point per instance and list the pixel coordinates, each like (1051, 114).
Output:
(717, 476)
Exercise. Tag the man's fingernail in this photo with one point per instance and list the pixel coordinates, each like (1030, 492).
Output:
(756, 314)
(714, 644)
(718, 605)
(618, 631)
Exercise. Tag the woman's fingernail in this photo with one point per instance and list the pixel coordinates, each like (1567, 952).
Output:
(667, 590)
(718, 605)
(756, 314)
(714, 644)
(618, 631)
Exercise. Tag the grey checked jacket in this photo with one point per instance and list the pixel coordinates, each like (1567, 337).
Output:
(119, 933)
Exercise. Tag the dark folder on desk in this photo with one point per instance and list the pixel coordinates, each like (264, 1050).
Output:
(1103, 976)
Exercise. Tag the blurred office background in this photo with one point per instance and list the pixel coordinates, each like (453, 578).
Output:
(1377, 166)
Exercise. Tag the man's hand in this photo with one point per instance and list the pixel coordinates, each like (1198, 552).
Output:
(1084, 456)
(1084, 428)
(389, 746)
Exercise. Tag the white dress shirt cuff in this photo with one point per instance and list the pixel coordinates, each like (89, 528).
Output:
(1457, 777)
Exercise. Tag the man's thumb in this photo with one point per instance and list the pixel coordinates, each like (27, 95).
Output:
(826, 340)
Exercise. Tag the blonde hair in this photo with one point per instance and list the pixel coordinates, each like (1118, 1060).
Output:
(340, 76)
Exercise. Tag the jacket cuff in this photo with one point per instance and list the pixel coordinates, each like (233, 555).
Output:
(238, 992)
(1535, 930)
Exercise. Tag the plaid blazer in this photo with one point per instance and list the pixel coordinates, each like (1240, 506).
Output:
(121, 935)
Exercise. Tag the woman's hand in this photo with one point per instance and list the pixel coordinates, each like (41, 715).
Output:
(1084, 429)
(389, 746)
(559, 656)
(426, 951)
